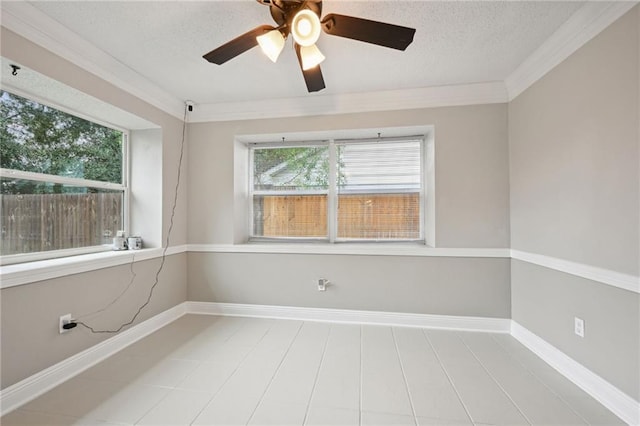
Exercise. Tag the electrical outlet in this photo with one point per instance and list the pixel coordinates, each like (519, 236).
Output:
(578, 326)
(322, 284)
(64, 319)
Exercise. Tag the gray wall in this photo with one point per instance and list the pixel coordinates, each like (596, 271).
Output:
(445, 286)
(472, 210)
(41, 60)
(574, 151)
(545, 302)
(555, 172)
(471, 157)
(29, 316)
(30, 338)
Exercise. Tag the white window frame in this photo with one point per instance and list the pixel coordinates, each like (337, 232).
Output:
(78, 182)
(426, 145)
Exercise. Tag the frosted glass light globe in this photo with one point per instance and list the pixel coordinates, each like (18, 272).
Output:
(305, 27)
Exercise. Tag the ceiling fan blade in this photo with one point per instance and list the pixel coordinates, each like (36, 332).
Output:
(237, 46)
(312, 77)
(380, 33)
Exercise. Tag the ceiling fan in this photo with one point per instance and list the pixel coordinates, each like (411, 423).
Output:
(301, 20)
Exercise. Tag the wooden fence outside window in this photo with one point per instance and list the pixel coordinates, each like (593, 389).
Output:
(361, 216)
(40, 222)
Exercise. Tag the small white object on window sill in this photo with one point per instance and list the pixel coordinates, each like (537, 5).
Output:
(134, 243)
(120, 241)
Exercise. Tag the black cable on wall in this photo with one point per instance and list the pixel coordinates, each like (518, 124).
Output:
(188, 107)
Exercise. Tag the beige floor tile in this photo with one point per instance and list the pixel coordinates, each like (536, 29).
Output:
(296, 376)
(75, 398)
(251, 332)
(386, 419)
(179, 407)
(538, 404)
(338, 383)
(432, 394)
(127, 405)
(28, 418)
(228, 371)
(383, 385)
(168, 372)
(427, 421)
(210, 376)
(120, 368)
(238, 398)
(583, 404)
(278, 414)
(326, 416)
(483, 398)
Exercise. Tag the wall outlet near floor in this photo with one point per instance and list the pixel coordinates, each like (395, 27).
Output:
(322, 284)
(578, 326)
(64, 319)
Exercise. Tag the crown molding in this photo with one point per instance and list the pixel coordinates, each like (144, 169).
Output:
(426, 97)
(581, 27)
(32, 24)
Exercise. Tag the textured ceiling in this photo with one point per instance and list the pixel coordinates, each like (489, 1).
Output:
(455, 43)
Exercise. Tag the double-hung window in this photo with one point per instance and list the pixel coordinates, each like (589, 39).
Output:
(63, 181)
(338, 190)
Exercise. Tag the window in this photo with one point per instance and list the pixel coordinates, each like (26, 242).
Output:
(62, 179)
(338, 190)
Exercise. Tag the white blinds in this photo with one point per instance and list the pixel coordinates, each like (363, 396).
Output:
(379, 166)
(379, 188)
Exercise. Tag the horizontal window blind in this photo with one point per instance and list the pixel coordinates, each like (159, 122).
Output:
(379, 190)
(379, 166)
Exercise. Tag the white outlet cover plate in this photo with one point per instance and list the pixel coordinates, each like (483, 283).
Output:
(579, 326)
(63, 320)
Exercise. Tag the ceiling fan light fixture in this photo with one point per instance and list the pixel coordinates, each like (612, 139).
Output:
(271, 44)
(311, 56)
(305, 27)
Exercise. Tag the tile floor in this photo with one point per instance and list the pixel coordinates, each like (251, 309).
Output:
(206, 370)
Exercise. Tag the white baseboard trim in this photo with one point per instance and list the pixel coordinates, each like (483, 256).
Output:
(604, 392)
(30, 388)
(494, 325)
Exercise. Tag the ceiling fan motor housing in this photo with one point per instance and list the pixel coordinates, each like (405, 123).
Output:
(283, 11)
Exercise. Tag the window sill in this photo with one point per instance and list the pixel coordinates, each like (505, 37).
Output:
(13, 259)
(29, 272)
(355, 249)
